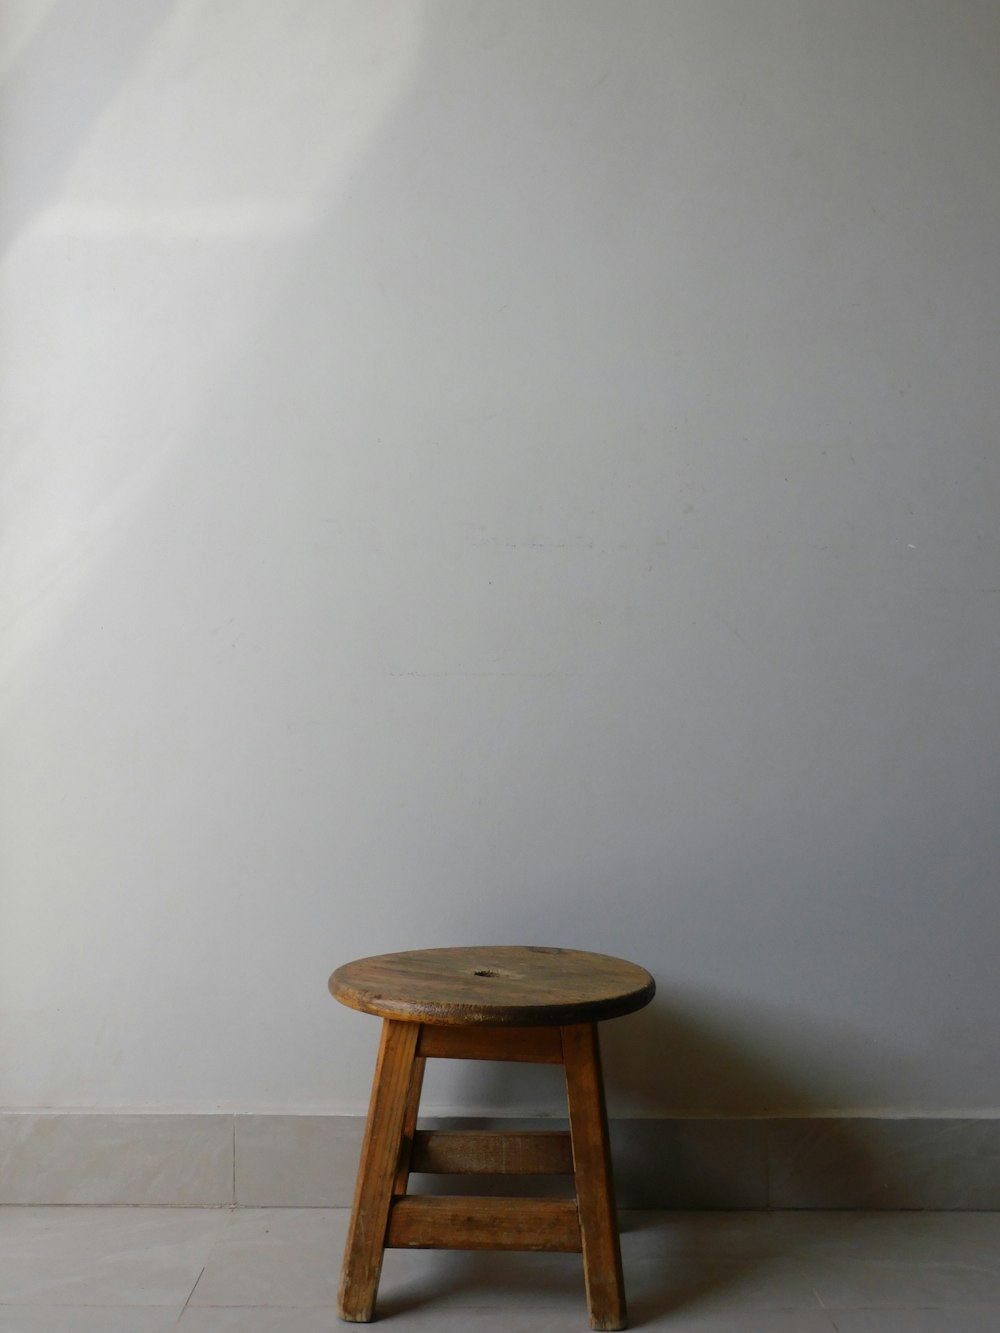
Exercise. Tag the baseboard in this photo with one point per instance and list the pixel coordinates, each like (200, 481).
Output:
(309, 1161)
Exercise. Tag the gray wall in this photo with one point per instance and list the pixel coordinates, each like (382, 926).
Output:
(501, 472)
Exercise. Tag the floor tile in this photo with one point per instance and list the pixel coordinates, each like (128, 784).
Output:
(888, 1284)
(433, 1319)
(706, 1235)
(740, 1321)
(104, 1256)
(428, 1280)
(673, 1263)
(243, 1319)
(704, 1287)
(907, 1236)
(118, 1270)
(709, 1235)
(292, 1257)
(88, 1319)
(916, 1321)
(900, 1260)
(214, 1319)
(275, 1256)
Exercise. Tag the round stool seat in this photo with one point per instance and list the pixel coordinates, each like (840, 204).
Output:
(494, 986)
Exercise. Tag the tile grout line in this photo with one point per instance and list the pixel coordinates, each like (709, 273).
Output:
(803, 1272)
(189, 1295)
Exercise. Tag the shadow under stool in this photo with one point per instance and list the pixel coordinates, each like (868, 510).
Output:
(506, 1003)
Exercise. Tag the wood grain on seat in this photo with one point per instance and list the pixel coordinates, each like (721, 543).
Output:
(506, 985)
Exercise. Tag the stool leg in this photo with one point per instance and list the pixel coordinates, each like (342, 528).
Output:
(377, 1170)
(409, 1126)
(588, 1124)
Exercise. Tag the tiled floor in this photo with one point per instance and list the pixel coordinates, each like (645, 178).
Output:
(150, 1270)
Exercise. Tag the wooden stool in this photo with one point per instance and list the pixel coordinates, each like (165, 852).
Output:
(506, 1003)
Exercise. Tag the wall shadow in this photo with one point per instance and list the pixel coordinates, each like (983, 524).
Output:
(687, 1180)
(708, 1165)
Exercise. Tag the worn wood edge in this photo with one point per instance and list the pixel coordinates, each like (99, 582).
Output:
(455, 1222)
(458, 1015)
(503, 1153)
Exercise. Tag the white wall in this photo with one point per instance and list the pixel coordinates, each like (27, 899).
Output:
(501, 472)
